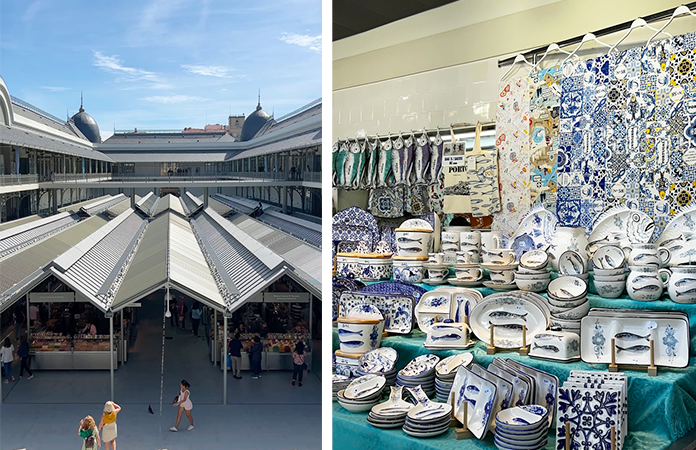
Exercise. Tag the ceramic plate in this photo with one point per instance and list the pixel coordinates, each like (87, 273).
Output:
(463, 301)
(536, 231)
(499, 286)
(503, 395)
(531, 381)
(520, 386)
(620, 224)
(479, 394)
(395, 287)
(435, 302)
(419, 366)
(547, 387)
(430, 282)
(509, 313)
(364, 387)
(450, 364)
(464, 283)
(397, 310)
(380, 359)
(632, 337)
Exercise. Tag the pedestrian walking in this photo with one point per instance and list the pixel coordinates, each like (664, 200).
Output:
(174, 319)
(23, 353)
(235, 351)
(19, 319)
(255, 355)
(107, 426)
(299, 364)
(184, 403)
(181, 309)
(7, 357)
(89, 433)
(195, 318)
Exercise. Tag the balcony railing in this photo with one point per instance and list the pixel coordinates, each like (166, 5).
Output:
(77, 177)
(13, 180)
(278, 176)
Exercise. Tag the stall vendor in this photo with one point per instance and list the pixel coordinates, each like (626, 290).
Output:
(90, 329)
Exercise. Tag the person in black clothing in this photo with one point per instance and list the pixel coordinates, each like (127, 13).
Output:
(19, 319)
(23, 353)
(255, 355)
(235, 350)
(174, 319)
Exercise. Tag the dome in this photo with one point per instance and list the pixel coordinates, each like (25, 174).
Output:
(254, 123)
(87, 125)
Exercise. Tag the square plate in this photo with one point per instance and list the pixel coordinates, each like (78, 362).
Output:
(479, 393)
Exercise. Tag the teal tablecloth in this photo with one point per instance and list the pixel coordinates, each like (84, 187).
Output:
(660, 409)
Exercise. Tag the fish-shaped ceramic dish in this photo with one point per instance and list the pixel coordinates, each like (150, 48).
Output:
(509, 313)
(623, 224)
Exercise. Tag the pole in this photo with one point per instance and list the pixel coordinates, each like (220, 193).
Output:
(215, 338)
(123, 349)
(111, 353)
(28, 319)
(224, 363)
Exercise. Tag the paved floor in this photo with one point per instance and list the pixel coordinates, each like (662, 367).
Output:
(267, 413)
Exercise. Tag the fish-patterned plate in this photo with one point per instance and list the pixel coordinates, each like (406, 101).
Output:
(503, 396)
(536, 231)
(450, 364)
(621, 224)
(547, 387)
(435, 302)
(509, 313)
(632, 336)
(479, 396)
(381, 359)
(420, 365)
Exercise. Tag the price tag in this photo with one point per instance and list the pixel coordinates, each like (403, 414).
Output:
(471, 163)
(652, 325)
(519, 308)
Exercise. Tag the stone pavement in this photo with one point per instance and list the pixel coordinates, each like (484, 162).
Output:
(268, 413)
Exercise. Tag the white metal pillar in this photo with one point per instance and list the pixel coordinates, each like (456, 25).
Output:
(215, 338)
(122, 347)
(224, 363)
(111, 352)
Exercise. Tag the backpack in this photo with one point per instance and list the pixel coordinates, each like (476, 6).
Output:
(90, 441)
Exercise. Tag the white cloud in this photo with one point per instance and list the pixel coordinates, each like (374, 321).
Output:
(55, 88)
(210, 71)
(105, 134)
(114, 65)
(31, 11)
(169, 99)
(303, 40)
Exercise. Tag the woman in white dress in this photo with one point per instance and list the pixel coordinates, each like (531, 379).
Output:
(107, 426)
(184, 403)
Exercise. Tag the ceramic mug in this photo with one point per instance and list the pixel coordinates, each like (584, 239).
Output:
(468, 273)
(682, 284)
(469, 239)
(438, 274)
(468, 257)
(450, 241)
(436, 258)
(504, 276)
(502, 256)
(491, 239)
(645, 283)
(648, 255)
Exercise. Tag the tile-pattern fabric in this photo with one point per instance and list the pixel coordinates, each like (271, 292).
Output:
(512, 142)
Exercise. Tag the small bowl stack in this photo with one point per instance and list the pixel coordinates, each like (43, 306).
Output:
(380, 361)
(428, 419)
(567, 301)
(533, 274)
(609, 263)
(339, 383)
(446, 371)
(522, 428)
(572, 264)
(419, 372)
(362, 393)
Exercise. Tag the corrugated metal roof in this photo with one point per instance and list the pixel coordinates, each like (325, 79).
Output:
(305, 258)
(191, 203)
(16, 222)
(219, 207)
(30, 139)
(143, 155)
(15, 269)
(13, 239)
(149, 265)
(102, 205)
(146, 203)
(122, 207)
(308, 139)
(168, 202)
(88, 271)
(76, 206)
(154, 137)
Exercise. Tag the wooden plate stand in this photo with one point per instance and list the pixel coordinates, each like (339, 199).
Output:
(463, 432)
(651, 369)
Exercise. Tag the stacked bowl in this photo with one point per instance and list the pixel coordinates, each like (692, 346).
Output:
(446, 370)
(362, 393)
(338, 383)
(533, 274)
(392, 413)
(522, 428)
(419, 372)
(609, 271)
(380, 361)
(567, 301)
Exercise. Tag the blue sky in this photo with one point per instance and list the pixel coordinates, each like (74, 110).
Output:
(161, 64)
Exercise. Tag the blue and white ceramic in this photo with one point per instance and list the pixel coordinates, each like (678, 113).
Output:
(448, 336)
(375, 269)
(397, 310)
(365, 387)
(555, 346)
(503, 397)
(378, 360)
(420, 366)
(479, 396)
(408, 271)
(355, 224)
(535, 232)
(435, 302)
(346, 366)
(547, 386)
(395, 287)
(520, 384)
(509, 312)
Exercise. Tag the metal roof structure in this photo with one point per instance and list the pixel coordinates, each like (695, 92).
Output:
(137, 156)
(168, 202)
(102, 205)
(121, 207)
(303, 140)
(191, 203)
(15, 136)
(171, 137)
(21, 270)
(145, 204)
(14, 239)
(309, 232)
(75, 207)
(23, 220)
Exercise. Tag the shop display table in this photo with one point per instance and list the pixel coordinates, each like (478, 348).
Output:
(661, 409)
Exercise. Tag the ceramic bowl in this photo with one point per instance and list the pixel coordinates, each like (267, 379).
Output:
(347, 266)
(609, 272)
(568, 288)
(574, 313)
(526, 271)
(532, 285)
(609, 289)
(609, 257)
(566, 324)
(522, 418)
(375, 269)
(357, 335)
(504, 276)
(533, 276)
(571, 263)
(534, 259)
(408, 271)
(365, 387)
(553, 301)
(605, 278)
